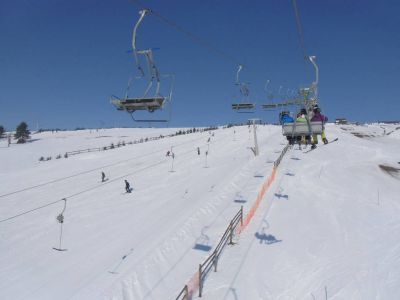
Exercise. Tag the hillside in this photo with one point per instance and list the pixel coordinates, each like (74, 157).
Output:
(330, 219)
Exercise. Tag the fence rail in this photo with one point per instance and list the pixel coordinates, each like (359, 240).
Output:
(278, 160)
(212, 260)
(197, 281)
(84, 151)
(184, 294)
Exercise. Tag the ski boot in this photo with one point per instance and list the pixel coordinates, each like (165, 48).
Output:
(313, 146)
(325, 141)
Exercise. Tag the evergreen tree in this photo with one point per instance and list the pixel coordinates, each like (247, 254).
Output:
(22, 133)
(1, 131)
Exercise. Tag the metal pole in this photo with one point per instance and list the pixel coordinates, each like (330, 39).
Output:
(61, 235)
(200, 284)
(231, 233)
(256, 151)
(315, 83)
(186, 292)
(241, 215)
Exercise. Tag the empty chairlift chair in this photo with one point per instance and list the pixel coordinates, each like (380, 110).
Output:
(244, 106)
(270, 106)
(145, 102)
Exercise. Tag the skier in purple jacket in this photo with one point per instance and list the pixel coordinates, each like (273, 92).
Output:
(318, 117)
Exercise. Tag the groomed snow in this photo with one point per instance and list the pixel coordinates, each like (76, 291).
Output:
(330, 220)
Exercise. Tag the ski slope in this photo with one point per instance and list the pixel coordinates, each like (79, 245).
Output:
(331, 218)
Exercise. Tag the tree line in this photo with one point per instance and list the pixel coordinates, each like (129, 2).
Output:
(22, 132)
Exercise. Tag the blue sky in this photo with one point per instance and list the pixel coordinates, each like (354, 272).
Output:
(60, 61)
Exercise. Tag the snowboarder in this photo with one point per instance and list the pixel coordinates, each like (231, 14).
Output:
(198, 150)
(103, 177)
(127, 186)
(318, 117)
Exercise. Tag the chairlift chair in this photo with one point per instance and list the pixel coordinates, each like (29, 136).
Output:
(270, 106)
(146, 102)
(244, 106)
(297, 129)
(308, 128)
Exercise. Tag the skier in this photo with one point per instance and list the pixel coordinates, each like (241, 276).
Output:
(198, 150)
(318, 117)
(127, 186)
(168, 152)
(103, 177)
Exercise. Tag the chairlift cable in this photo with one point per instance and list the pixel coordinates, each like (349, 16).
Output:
(206, 44)
(190, 35)
(29, 211)
(299, 29)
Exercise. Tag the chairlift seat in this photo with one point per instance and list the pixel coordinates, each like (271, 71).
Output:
(133, 104)
(239, 106)
(302, 128)
(269, 106)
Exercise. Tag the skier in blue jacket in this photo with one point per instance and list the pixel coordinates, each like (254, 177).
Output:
(284, 119)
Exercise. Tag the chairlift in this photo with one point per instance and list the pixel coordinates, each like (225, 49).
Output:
(245, 106)
(307, 98)
(146, 102)
(270, 106)
(297, 129)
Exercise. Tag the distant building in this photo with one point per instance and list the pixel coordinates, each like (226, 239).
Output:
(341, 121)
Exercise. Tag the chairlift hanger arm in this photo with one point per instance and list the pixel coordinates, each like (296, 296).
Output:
(134, 34)
(266, 85)
(315, 83)
(240, 67)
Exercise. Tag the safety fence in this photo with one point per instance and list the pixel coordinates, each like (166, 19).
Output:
(197, 280)
(211, 262)
(278, 160)
(264, 188)
(123, 143)
(113, 146)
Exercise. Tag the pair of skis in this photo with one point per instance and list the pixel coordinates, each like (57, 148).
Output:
(334, 140)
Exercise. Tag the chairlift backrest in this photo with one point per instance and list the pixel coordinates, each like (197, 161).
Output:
(302, 128)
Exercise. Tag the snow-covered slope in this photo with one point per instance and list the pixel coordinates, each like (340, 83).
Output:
(331, 219)
(330, 226)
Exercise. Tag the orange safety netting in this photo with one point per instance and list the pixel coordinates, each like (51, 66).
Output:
(194, 282)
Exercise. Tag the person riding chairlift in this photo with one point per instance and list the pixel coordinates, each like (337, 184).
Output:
(301, 118)
(284, 119)
(318, 117)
